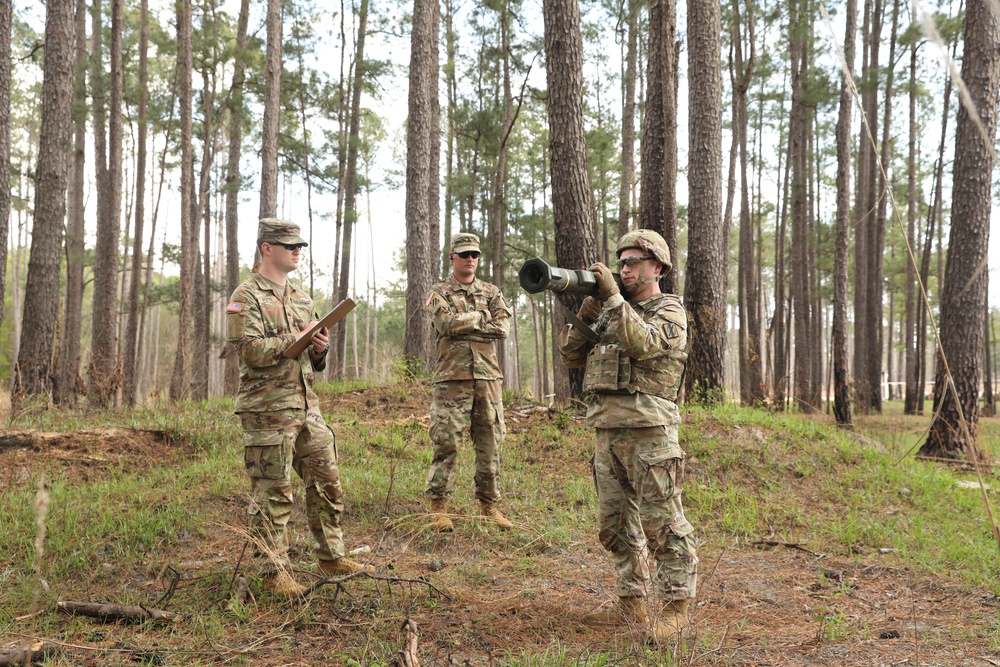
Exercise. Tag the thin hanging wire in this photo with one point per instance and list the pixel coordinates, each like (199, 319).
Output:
(931, 32)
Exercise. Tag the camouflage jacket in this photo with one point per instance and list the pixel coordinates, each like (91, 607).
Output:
(468, 319)
(652, 334)
(261, 322)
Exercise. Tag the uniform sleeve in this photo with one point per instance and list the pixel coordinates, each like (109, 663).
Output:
(666, 329)
(573, 347)
(249, 336)
(449, 322)
(498, 323)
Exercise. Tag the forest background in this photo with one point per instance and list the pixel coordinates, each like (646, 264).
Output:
(207, 170)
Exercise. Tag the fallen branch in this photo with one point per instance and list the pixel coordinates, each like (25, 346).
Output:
(25, 654)
(408, 656)
(114, 612)
(962, 463)
(790, 545)
(393, 580)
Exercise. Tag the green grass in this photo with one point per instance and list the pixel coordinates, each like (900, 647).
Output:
(751, 474)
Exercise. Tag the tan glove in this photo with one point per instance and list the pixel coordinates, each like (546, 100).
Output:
(606, 284)
(590, 310)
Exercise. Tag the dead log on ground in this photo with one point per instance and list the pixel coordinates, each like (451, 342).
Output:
(24, 654)
(115, 612)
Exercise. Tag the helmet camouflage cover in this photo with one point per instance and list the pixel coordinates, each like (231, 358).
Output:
(649, 242)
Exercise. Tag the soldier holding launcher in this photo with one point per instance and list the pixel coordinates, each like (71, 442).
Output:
(633, 376)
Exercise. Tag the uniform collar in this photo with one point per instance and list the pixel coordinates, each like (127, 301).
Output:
(466, 287)
(267, 285)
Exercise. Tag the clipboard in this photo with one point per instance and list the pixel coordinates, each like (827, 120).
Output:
(305, 338)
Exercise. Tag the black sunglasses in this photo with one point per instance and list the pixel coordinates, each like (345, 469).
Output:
(474, 254)
(632, 261)
(289, 246)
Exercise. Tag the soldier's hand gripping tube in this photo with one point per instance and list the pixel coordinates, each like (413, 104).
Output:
(536, 276)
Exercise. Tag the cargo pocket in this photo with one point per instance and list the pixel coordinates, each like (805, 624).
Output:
(661, 476)
(499, 426)
(264, 454)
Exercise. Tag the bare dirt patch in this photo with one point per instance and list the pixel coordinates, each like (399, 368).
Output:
(481, 597)
(79, 454)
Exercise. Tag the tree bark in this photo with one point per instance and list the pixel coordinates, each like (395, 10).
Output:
(841, 373)
(181, 376)
(704, 290)
(351, 186)
(909, 332)
(132, 328)
(420, 252)
(498, 223)
(234, 180)
(963, 295)
(41, 298)
(6, 24)
(798, 163)
(658, 196)
(272, 113)
(572, 198)
(628, 120)
(751, 376)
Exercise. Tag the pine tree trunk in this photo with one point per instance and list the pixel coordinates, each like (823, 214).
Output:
(798, 164)
(103, 376)
(420, 262)
(909, 333)
(181, 377)
(68, 371)
(41, 297)
(234, 180)
(841, 372)
(132, 329)
(351, 185)
(203, 213)
(498, 222)
(704, 289)
(272, 113)
(628, 121)
(6, 22)
(751, 377)
(963, 295)
(572, 198)
(779, 384)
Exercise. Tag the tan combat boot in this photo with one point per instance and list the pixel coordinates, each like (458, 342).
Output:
(627, 611)
(439, 516)
(342, 566)
(283, 585)
(491, 512)
(672, 619)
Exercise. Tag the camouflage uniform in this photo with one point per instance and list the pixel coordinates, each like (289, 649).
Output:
(282, 425)
(468, 383)
(633, 374)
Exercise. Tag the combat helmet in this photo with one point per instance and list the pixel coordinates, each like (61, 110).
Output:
(648, 241)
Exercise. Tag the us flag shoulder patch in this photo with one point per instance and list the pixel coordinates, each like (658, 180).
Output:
(235, 307)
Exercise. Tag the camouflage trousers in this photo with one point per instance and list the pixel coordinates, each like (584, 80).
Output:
(273, 444)
(454, 404)
(639, 474)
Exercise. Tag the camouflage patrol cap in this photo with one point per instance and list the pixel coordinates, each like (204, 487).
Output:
(276, 230)
(649, 242)
(464, 241)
